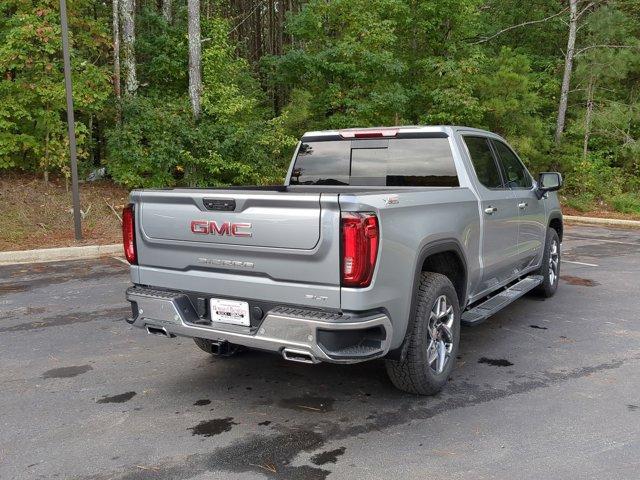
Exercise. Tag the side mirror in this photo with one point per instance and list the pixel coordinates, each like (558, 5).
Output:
(549, 182)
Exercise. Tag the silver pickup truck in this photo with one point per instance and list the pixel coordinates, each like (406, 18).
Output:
(381, 243)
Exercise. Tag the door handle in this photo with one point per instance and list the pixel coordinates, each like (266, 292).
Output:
(523, 205)
(490, 210)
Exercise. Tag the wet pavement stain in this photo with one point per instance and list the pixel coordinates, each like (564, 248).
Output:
(200, 403)
(330, 456)
(308, 403)
(69, 319)
(120, 398)
(209, 428)
(252, 453)
(583, 282)
(39, 276)
(67, 372)
(496, 362)
(538, 327)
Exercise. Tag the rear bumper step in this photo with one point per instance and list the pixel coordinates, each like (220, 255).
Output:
(298, 334)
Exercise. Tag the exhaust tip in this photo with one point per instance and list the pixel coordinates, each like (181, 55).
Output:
(152, 330)
(298, 356)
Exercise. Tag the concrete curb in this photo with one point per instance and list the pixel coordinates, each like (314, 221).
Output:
(602, 221)
(56, 254)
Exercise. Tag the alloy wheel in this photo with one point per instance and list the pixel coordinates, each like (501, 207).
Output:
(440, 336)
(554, 260)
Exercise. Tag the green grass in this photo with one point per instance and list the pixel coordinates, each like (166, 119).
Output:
(626, 203)
(583, 202)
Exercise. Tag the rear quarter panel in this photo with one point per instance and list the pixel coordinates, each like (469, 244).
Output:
(419, 219)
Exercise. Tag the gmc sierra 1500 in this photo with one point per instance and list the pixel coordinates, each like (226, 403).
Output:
(380, 244)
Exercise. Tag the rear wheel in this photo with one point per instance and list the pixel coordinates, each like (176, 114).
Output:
(433, 339)
(550, 268)
(223, 350)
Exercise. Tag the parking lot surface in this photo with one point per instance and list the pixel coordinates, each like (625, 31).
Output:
(546, 389)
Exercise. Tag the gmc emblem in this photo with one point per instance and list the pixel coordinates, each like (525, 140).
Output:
(225, 228)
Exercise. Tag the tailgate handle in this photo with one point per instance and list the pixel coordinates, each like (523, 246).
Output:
(226, 205)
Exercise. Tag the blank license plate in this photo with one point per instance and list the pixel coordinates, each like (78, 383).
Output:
(229, 311)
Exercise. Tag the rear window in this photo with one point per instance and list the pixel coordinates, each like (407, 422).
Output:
(415, 162)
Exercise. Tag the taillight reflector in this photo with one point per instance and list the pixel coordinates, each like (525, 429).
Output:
(129, 234)
(360, 237)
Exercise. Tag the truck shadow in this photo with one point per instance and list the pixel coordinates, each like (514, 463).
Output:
(266, 381)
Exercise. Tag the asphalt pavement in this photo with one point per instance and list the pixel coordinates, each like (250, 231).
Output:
(546, 389)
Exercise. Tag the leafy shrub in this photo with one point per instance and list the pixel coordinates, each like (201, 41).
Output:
(626, 203)
(583, 202)
(160, 145)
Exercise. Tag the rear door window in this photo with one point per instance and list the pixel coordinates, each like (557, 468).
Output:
(407, 162)
(483, 161)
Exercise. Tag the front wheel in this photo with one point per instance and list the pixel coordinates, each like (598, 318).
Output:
(433, 339)
(550, 268)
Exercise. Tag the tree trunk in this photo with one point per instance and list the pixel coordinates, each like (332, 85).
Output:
(568, 67)
(587, 117)
(116, 49)
(128, 41)
(46, 157)
(166, 10)
(195, 56)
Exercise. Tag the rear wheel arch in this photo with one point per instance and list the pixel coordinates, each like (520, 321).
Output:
(441, 256)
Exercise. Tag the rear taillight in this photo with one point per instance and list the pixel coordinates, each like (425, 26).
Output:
(360, 237)
(129, 234)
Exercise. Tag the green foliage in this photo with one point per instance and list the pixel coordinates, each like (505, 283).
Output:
(32, 96)
(236, 141)
(626, 203)
(346, 63)
(582, 202)
(231, 93)
(161, 54)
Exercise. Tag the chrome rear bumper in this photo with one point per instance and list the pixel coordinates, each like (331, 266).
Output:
(295, 333)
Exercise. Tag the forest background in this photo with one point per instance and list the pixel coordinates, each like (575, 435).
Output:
(216, 92)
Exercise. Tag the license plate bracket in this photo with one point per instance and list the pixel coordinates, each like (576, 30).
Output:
(233, 312)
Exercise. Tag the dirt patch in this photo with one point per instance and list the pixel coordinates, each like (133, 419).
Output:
(36, 215)
(583, 282)
(600, 213)
(13, 288)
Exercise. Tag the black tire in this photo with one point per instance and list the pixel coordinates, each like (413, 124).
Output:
(549, 285)
(230, 349)
(414, 374)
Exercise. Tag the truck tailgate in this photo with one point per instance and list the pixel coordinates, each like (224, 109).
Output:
(268, 238)
(278, 220)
